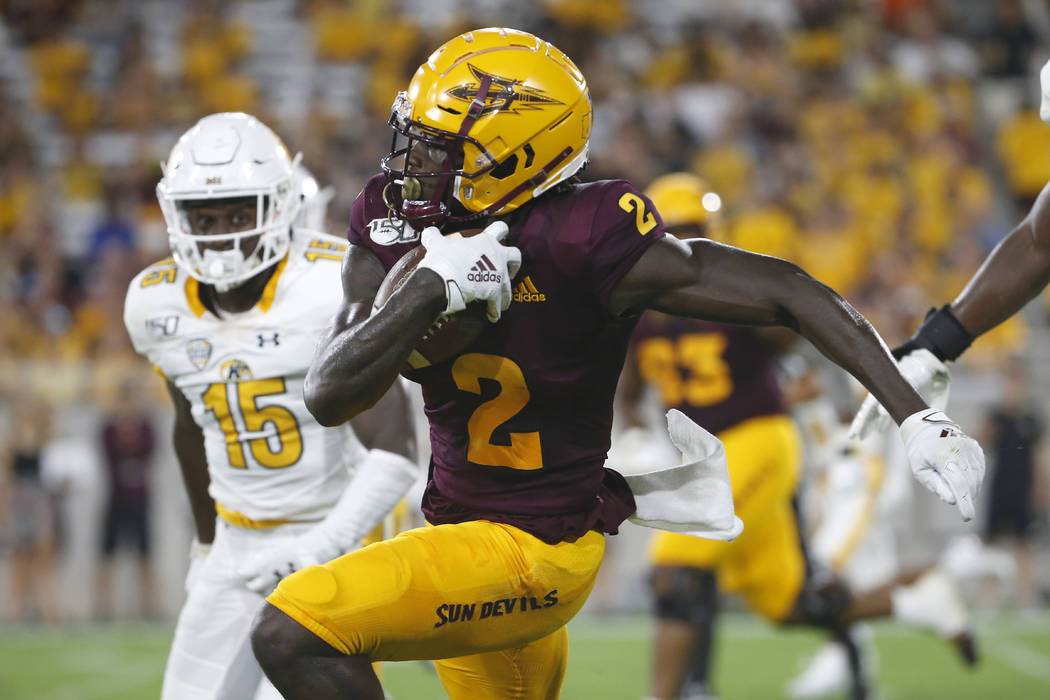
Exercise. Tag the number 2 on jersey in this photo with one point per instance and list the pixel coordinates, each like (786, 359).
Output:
(524, 450)
(644, 220)
(262, 424)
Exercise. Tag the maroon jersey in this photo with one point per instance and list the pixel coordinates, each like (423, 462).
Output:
(717, 374)
(520, 421)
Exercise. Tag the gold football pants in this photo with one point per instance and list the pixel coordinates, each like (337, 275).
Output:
(489, 601)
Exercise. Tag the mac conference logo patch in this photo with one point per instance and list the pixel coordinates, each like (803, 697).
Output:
(199, 351)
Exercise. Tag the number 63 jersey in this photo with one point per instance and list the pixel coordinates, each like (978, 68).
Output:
(242, 374)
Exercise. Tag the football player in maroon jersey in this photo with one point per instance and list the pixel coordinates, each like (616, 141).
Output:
(497, 123)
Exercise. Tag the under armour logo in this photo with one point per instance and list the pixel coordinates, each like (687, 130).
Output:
(263, 340)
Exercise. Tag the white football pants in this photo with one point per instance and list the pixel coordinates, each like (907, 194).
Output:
(211, 656)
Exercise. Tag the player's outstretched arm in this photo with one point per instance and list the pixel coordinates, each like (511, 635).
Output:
(703, 279)
(1012, 275)
(361, 353)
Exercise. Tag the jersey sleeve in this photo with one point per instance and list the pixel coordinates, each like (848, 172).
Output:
(135, 313)
(625, 224)
(151, 308)
(368, 206)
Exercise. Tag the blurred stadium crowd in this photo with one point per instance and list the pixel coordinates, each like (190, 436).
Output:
(885, 146)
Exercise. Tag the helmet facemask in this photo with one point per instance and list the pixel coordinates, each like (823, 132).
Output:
(443, 155)
(227, 259)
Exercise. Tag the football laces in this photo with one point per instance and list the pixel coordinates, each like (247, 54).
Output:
(436, 326)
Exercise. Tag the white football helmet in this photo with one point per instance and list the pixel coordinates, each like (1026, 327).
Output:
(224, 156)
(315, 200)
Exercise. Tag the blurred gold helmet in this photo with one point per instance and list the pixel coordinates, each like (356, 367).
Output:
(684, 199)
(512, 112)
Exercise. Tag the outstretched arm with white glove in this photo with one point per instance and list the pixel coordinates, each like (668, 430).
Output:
(944, 459)
(924, 371)
(1015, 272)
(378, 483)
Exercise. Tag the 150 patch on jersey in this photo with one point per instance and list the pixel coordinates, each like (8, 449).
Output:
(391, 231)
(162, 326)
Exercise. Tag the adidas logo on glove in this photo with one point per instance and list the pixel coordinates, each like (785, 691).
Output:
(484, 271)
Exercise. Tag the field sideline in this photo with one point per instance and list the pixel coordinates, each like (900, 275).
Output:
(608, 661)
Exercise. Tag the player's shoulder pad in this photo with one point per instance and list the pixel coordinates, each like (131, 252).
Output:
(157, 292)
(314, 263)
(311, 245)
(620, 205)
(368, 206)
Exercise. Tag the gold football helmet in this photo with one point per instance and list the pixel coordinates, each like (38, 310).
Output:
(495, 117)
(684, 200)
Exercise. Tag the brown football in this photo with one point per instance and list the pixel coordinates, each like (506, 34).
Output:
(449, 335)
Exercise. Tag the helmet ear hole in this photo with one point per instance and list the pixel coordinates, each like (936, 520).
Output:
(506, 168)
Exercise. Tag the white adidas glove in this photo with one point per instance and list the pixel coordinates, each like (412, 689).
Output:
(925, 372)
(1044, 83)
(944, 459)
(378, 483)
(476, 268)
(198, 553)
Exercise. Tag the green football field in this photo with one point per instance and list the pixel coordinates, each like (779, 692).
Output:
(608, 661)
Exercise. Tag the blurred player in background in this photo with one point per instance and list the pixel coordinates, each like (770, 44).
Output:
(725, 377)
(1013, 431)
(128, 448)
(230, 322)
(851, 497)
(32, 510)
(497, 123)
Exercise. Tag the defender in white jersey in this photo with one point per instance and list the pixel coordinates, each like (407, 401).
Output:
(231, 322)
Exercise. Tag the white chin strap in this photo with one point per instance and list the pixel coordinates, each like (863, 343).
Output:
(220, 265)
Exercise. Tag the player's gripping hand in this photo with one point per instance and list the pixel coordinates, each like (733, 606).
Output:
(266, 568)
(476, 268)
(944, 459)
(925, 372)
